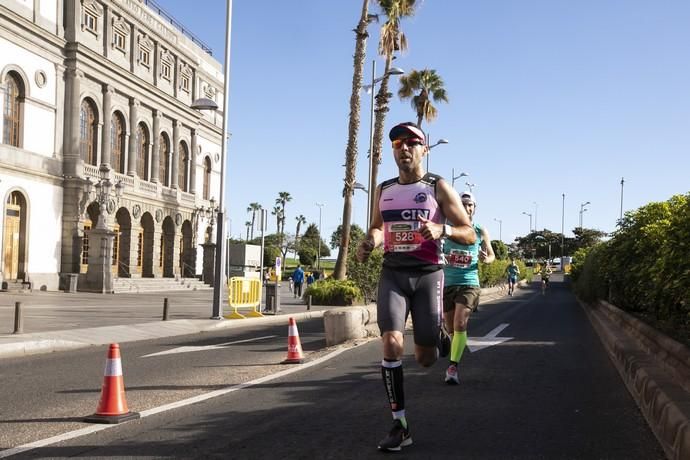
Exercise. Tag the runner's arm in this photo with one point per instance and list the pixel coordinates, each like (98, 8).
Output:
(374, 237)
(486, 254)
(462, 231)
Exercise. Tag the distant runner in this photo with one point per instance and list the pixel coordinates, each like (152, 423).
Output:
(513, 271)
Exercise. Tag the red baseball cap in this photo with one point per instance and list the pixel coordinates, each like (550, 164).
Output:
(407, 130)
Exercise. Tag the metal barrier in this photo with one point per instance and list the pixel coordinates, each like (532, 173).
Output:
(244, 293)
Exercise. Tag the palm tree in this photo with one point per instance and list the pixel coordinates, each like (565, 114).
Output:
(282, 200)
(249, 225)
(361, 36)
(278, 212)
(253, 208)
(391, 39)
(300, 220)
(430, 87)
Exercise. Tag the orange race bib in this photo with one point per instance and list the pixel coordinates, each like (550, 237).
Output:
(403, 236)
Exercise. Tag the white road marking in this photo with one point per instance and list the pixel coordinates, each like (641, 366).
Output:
(489, 340)
(190, 349)
(175, 405)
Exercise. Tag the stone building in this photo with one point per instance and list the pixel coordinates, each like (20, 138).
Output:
(96, 94)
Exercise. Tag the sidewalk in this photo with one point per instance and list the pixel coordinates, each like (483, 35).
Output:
(55, 321)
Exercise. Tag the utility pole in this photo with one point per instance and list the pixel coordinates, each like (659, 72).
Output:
(622, 182)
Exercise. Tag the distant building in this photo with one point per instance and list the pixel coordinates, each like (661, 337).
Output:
(94, 89)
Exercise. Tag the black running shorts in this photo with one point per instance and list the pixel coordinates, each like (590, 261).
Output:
(402, 292)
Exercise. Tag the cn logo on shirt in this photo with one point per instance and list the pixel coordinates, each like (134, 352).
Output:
(404, 214)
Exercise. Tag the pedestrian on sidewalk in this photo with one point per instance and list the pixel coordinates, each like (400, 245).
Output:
(462, 290)
(298, 280)
(408, 218)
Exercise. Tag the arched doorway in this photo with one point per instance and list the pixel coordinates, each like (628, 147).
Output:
(14, 237)
(168, 247)
(145, 245)
(187, 251)
(121, 253)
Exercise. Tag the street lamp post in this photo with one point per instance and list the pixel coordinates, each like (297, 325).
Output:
(562, 229)
(471, 186)
(536, 207)
(99, 277)
(622, 182)
(454, 177)
(372, 87)
(318, 254)
(428, 154)
(583, 209)
(530, 220)
(203, 104)
(500, 229)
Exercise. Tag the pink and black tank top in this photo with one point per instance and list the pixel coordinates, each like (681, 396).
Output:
(401, 205)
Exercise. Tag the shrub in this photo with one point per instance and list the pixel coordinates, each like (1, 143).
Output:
(334, 292)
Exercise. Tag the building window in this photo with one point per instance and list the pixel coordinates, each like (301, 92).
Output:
(206, 193)
(183, 168)
(90, 21)
(142, 151)
(164, 157)
(12, 110)
(119, 40)
(185, 83)
(144, 57)
(88, 132)
(166, 70)
(117, 143)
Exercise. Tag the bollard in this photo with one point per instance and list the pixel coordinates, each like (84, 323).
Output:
(308, 302)
(18, 328)
(165, 309)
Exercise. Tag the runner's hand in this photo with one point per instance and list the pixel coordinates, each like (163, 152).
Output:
(430, 230)
(364, 249)
(483, 255)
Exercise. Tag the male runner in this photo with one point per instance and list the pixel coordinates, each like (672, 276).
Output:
(462, 290)
(408, 219)
(513, 271)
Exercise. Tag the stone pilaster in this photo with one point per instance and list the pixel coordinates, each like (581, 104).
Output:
(155, 153)
(133, 141)
(107, 121)
(175, 162)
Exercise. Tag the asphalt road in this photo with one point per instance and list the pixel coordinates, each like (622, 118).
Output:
(550, 392)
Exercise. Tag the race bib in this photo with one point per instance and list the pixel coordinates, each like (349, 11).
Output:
(459, 258)
(403, 236)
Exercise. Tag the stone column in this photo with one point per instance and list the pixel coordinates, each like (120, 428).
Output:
(99, 276)
(133, 141)
(175, 162)
(155, 153)
(71, 153)
(107, 119)
(192, 163)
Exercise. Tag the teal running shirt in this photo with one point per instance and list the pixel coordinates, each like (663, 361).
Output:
(462, 261)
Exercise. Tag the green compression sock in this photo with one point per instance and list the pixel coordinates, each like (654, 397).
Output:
(457, 346)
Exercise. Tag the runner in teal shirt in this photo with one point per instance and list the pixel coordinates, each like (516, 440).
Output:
(461, 285)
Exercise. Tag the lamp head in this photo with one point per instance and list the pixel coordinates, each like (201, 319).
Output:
(88, 186)
(395, 71)
(204, 103)
(213, 203)
(119, 189)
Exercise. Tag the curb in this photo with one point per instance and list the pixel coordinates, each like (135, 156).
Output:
(48, 342)
(663, 401)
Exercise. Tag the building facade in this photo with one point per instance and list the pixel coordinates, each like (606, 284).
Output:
(96, 94)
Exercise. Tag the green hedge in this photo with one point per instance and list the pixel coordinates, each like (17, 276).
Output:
(334, 292)
(645, 267)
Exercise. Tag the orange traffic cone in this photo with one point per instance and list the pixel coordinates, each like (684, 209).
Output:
(112, 408)
(294, 354)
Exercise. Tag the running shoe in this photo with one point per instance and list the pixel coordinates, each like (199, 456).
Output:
(452, 375)
(444, 341)
(398, 438)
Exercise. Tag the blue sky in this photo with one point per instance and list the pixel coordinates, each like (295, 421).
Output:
(546, 97)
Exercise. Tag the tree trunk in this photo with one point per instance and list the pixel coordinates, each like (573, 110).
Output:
(382, 99)
(340, 270)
